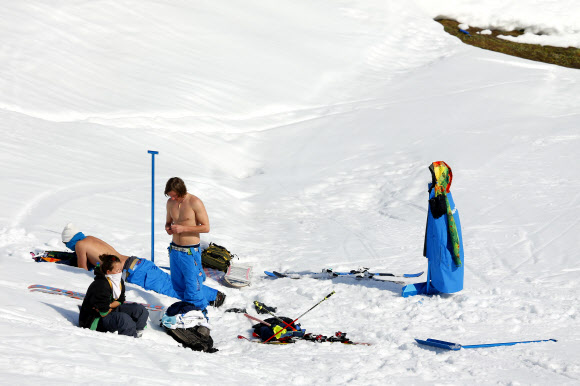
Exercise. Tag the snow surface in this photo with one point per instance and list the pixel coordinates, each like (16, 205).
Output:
(307, 129)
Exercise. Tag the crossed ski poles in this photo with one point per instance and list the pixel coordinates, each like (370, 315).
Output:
(261, 306)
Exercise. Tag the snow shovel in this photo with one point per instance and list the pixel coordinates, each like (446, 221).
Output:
(457, 346)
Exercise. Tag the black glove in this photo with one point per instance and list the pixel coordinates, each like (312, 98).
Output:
(438, 206)
(261, 308)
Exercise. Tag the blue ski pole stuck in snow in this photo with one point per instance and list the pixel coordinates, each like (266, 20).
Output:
(457, 346)
(152, 152)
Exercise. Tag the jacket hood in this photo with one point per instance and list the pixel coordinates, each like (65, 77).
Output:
(442, 176)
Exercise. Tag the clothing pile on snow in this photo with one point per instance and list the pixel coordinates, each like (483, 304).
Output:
(188, 326)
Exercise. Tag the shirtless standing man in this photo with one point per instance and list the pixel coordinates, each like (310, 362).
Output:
(186, 219)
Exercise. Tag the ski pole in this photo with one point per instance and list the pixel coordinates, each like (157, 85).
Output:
(152, 152)
(294, 321)
(257, 320)
(261, 307)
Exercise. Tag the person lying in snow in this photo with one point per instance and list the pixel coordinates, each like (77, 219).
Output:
(104, 308)
(141, 272)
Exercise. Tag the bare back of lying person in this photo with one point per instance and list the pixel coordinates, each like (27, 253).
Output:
(87, 248)
(91, 248)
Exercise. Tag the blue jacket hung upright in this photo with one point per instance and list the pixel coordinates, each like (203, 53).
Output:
(443, 240)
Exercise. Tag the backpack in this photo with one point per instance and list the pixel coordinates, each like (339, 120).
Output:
(217, 257)
(283, 333)
(196, 338)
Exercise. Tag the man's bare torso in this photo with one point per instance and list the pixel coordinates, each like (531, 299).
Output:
(184, 214)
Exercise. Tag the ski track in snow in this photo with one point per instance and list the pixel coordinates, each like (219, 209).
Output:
(44, 203)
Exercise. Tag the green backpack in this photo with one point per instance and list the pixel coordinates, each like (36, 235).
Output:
(217, 257)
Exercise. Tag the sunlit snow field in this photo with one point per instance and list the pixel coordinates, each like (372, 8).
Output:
(307, 129)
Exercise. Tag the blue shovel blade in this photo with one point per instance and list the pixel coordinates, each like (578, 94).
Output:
(440, 344)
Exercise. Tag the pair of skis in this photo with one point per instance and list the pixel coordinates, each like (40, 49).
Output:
(78, 295)
(305, 338)
(361, 273)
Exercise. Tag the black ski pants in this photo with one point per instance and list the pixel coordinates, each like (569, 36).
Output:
(126, 319)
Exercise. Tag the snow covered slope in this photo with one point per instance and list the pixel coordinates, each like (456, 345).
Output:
(307, 129)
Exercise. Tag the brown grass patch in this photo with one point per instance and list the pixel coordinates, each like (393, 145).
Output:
(566, 57)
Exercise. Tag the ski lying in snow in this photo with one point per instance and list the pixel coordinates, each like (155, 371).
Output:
(366, 273)
(339, 337)
(262, 342)
(59, 257)
(321, 276)
(295, 339)
(78, 295)
(361, 273)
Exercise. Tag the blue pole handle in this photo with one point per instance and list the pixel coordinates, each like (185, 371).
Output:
(152, 152)
(507, 343)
